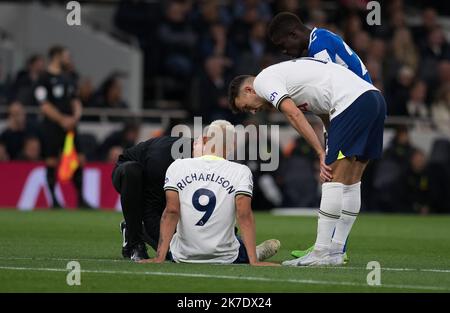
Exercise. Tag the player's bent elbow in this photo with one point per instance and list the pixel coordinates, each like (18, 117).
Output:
(293, 115)
(244, 216)
(173, 211)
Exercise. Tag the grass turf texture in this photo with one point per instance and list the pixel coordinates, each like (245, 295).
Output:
(35, 247)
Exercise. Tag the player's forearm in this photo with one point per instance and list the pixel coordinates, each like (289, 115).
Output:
(168, 225)
(247, 224)
(51, 112)
(301, 124)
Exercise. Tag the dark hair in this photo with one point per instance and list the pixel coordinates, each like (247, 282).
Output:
(233, 91)
(32, 59)
(55, 50)
(282, 24)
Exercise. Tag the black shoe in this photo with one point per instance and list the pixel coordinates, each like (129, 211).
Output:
(56, 205)
(83, 205)
(139, 252)
(126, 249)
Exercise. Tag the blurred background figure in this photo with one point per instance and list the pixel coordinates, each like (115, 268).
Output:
(22, 88)
(108, 96)
(16, 131)
(31, 150)
(119, 140)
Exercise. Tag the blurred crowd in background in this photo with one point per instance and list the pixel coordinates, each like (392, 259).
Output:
(192, 49)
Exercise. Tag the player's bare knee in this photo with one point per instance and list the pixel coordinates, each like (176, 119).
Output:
(342, 171)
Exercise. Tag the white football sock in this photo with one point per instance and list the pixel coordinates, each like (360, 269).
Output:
(329, 213)
(351, 204)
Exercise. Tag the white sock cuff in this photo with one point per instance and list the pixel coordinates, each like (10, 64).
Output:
(326, 186)
(350, 188)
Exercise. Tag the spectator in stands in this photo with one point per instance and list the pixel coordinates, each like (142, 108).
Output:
(215, 42)
(252, 53)
(251, 11)
(417, 184)
(398, 92)
(416, 105)
(4, 157)
(429, 22)
(388, 175)
(110, 96)
(210, 12)
(437, 46)
(177, 40)
(213, 90)
(400, 148)
(123, 138)
(86, 92)
(16, 131)
(440, 110)
(88, 97)
(352, 25)
(257, 39)
(71, 72)
(31, 149)
(22, 88)
(361, 43)
(435, 51)
(246, 14)
(376, 62)
(404, 51)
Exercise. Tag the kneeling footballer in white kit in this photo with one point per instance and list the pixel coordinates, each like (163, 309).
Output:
(205, 195)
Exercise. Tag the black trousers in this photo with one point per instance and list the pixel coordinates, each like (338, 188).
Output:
(138, 207)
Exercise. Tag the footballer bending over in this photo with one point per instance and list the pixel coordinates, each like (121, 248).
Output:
(356, 110)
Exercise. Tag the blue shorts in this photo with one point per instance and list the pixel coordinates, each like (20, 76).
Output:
(242, 256)
(358, 130)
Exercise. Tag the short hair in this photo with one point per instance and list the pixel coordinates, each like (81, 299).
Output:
(32, 59)
(221, 125)
(55, 50)
(221, 136)
(234, 89)
(282, 24)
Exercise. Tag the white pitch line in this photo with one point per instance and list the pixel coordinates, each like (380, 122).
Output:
(247, 278)
(62, 259)
(432, 270)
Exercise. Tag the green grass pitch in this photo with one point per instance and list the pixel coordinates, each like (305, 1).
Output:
(35, 247)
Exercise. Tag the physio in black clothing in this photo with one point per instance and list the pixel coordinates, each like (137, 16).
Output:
(139, 178)
(55, 92)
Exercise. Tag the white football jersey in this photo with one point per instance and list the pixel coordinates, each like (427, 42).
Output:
(207, 187)
(314, 85)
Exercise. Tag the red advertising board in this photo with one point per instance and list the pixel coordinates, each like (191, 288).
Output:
(24, 186)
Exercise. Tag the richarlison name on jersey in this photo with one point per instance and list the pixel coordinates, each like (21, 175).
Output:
(206, 177)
